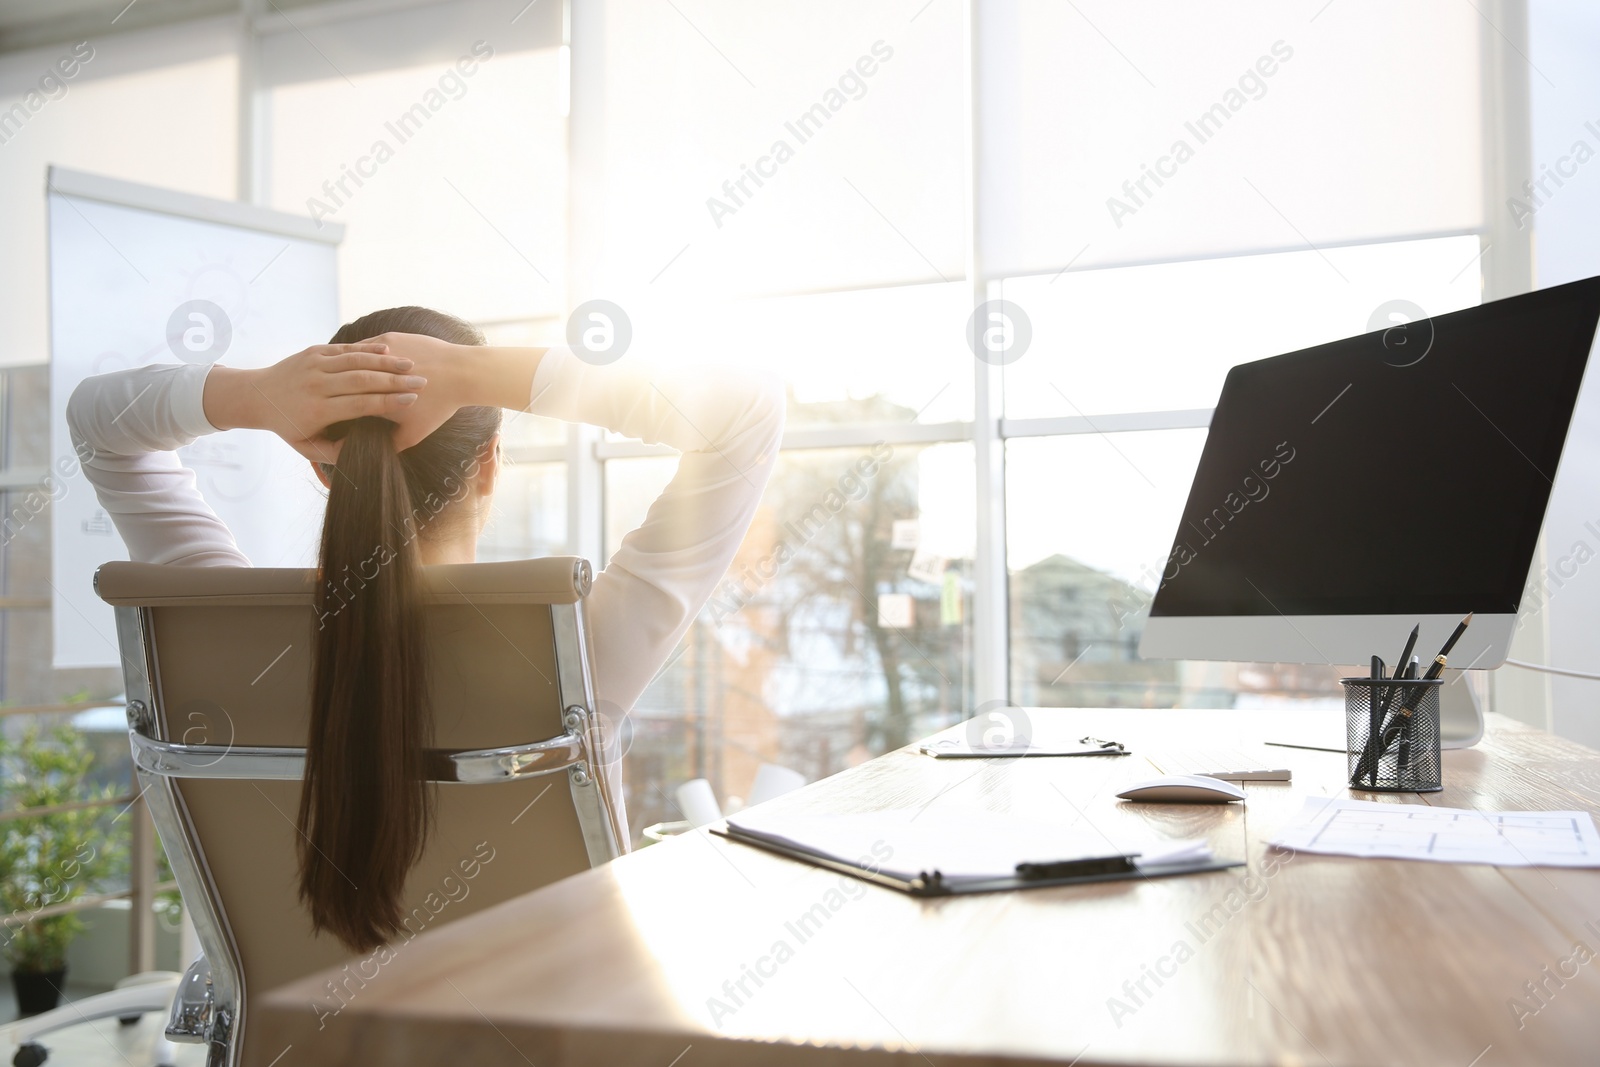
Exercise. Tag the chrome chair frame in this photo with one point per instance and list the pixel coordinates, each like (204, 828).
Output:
(209, 1007)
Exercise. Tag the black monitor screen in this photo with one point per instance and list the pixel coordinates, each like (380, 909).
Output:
(1399, 472)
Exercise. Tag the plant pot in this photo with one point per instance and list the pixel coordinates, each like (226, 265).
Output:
(38, 991)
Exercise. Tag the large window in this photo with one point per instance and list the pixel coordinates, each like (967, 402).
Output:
(70, 713)
(853, 641)
(1129, 360)
(827, 193)
(1163, 337)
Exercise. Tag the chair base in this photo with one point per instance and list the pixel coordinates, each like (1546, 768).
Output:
(136, 995)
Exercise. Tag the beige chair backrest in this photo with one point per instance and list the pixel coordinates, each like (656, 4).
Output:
(217, 663)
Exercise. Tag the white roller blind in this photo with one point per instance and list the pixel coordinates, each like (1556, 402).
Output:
(1120, 133)
(299, 45)
(758, 149)
(437, 135)
(155, 106)
(449, 176)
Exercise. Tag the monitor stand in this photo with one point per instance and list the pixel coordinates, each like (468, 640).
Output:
(1460, 721)
(1460, 713)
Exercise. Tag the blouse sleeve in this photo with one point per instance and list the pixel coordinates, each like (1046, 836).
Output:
(126, 427)
(727, 425)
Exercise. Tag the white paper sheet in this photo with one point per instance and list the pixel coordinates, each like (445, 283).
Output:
(1443, 835)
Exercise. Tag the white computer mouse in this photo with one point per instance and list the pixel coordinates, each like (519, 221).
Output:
(1183, 789)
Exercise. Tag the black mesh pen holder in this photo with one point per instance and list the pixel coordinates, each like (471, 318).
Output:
(1392, 735)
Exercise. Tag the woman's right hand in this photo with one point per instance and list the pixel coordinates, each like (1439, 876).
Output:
(459, 376)
(451, 370)
(300, 397)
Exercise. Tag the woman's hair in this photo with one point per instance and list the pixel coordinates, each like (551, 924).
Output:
(365, 807)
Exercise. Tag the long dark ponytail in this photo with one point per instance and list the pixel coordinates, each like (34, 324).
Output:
(365, 808)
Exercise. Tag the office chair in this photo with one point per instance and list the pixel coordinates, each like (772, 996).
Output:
(217, 664)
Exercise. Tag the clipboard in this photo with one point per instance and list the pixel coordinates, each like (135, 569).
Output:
(961, 747)
(1112, 867)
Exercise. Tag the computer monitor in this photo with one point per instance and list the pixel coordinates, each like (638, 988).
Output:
(1350, 491)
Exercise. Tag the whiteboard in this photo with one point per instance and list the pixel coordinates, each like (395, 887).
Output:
(129, 266)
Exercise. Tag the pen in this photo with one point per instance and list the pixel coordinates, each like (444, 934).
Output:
(1403, 665)
(1440, 661)
(1408, 704)
(1409, 670)
(1375, 709)
(1411, 643)
(1379, 700)
(1435, 669)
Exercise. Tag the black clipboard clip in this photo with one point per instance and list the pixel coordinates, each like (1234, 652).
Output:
(934, 883)
(1109, 746)
(1081, 868)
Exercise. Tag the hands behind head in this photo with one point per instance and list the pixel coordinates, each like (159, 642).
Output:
(442, 364)
(401, 377)
(299, 397)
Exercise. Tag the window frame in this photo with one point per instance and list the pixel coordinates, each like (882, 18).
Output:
(1505, 159)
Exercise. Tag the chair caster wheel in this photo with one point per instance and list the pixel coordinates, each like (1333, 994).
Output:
(32, 1054)
(129, 1020)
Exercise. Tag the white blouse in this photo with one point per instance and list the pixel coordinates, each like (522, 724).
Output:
(727, 425)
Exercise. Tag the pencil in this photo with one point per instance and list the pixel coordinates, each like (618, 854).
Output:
(1438, 661)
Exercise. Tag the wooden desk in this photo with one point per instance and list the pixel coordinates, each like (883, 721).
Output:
(1296, 959)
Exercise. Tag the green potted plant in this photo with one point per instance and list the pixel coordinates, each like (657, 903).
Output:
(47, 859)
